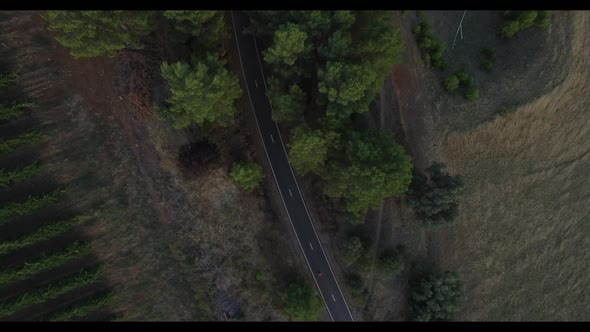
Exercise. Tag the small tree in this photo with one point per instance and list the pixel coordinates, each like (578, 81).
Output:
(434, 196)
(247, 175)
(435, 297)
(89, 33)
(300, 303)
(452, 83)
(202, 93)
(351, 250)
(391, 262)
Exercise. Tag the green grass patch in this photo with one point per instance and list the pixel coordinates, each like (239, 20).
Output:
(83, 308)
(29, 205)
(19, 175)
(42, 234)
(9, 145)
(49, 292)
(46, 262)
(15, 111)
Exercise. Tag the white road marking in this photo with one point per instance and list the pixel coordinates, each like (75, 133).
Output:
(333, 298)
(310, 246)
(290, 193)
(272, 138)
(256, 82)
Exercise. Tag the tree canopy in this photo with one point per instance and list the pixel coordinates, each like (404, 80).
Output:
(377, 168)
(289, 42)
(300, 303)
(308, 149)
(89, 33)
(433, 195)
(247, 175)
(203, 92)
(435, 297)
(207, 25)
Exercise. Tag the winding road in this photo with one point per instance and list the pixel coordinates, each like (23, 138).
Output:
(283, 174)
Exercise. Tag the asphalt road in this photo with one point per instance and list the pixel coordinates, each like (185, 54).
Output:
(283, 174)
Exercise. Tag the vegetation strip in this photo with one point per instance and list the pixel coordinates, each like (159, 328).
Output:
(75, 251)
(49, 292)
(39, 235)
(11, 112)
(31, 204)
(83, 308)
(9, 145)
(19, 175)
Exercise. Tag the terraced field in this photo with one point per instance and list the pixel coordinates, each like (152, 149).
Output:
(47, 269)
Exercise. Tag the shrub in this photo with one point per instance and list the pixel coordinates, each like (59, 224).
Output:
(487, 65)
(435, 297)
(452, 83)
(351, 250)
(355, 284)
(391, 262)
(247, 175)
(490, 53)
(471, 93)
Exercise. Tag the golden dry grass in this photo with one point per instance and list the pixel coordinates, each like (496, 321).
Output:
(522, 241)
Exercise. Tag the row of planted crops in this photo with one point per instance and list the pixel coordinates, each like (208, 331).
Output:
(47, 269)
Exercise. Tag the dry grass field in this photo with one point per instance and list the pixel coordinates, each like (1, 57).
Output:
(522, 241)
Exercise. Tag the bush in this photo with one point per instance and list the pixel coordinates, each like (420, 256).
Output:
(435, 297)
(355, 284)
(452, 83)
(490, 53)
(434, 196)
(487, 65)
(490, 59)
(300, 303)
(247, 175)
(391, 263)
(351, 250)
(471, 93)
